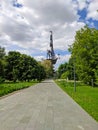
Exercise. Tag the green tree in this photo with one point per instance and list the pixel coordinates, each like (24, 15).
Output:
(2, 52)
(27, 67)
(65, 75)
(62, 69)
(85, 54)
(12, 65)
(2, 63)
(47, 64)
(41, 74)
(30, 69)
(66, 70)
(21, 67)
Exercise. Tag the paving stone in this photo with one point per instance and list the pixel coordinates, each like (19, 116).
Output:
(43, 107)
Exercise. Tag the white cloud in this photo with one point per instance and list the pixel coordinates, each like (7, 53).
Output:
(92, 10)
(40, 58)
(80, 4)
(28, 27)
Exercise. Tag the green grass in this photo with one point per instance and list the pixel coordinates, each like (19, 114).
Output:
(9, 87)
(85, 96)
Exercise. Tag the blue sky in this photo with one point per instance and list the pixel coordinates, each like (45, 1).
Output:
(25, 25)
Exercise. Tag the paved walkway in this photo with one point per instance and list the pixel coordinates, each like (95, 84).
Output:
(43, 107)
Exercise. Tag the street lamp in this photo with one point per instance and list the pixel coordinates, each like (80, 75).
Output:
(74, 77)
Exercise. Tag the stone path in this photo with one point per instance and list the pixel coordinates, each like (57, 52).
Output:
(43, 107)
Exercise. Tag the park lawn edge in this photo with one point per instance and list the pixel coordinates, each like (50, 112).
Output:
(9, 91)
(80, 104)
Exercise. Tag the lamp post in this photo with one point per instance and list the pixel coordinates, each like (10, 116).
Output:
(74, 77)
(74, 69)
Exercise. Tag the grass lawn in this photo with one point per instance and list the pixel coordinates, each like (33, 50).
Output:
(9, 87)
(85, 96)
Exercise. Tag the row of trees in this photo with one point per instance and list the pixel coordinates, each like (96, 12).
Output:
(16, 66)
(66, 71)
(84, 57)
(47, 64)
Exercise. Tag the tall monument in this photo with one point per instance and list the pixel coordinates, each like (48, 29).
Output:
(50, 53)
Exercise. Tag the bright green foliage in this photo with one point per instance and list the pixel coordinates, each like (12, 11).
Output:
(47, 64)
(2, 63)
(65, 75)
(62, 68)
(85, 54)
(19, 67)
(41, 72)
(9, 87)
(27, 66)
(22, 67)
(12, 65)
(1, 71)
(66, 70)
(2, 52)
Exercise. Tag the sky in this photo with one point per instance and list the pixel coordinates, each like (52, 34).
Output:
(25, 25)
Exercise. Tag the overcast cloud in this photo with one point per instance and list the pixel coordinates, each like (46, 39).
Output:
(25, 24)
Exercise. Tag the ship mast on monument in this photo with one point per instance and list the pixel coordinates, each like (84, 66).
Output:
(50, 53)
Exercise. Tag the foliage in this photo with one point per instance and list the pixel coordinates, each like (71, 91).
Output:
(66, 70)
(62, 68)
(12, 65)
(2, 79)
(47, 64)
(65, 75)
(84, 53)
(85, 96)
(19, 67)
(9, 87)
(41, 74)
(2, 52)
(2, 63)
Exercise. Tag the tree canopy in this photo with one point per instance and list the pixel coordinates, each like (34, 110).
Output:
(84, 57)
(47, 64)
(84, 53)
(16, 66)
